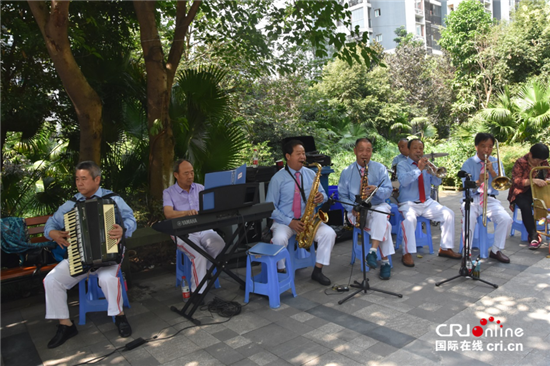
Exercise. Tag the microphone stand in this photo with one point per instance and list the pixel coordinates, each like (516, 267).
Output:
(464, 271)
(365, 206)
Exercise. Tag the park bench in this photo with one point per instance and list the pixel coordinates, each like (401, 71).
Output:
(36, 234)
(141, 237)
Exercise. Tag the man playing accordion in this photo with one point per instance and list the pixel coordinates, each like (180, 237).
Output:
(59, 280)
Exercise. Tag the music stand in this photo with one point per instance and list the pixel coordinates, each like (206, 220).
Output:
(364, 285)
(464, 271)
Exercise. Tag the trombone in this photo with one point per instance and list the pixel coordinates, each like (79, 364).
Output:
(485, 190)
(501, 182)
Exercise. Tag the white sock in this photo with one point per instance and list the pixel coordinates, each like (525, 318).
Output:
(385, 261)
(372, 250)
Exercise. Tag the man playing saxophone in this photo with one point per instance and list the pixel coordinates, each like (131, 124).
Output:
(289, 190)
(482, 168)
(361, 178)
(416, 176)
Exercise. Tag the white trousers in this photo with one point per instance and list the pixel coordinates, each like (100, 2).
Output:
(325, 238)
(59, 280)
(211, 243)
(431, 210)
(379, 228)
(496, 213)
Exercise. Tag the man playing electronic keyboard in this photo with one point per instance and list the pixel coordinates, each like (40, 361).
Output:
(475, 166)
(182, 199)
(377, 224)
(289, 190)
(415, 179)
(59, 280)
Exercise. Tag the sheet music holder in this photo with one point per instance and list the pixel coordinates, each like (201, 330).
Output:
(221, 179)
(266, 249)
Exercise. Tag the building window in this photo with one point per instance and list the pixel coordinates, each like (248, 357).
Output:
(379, 38)
(358, 18)
(376, 13)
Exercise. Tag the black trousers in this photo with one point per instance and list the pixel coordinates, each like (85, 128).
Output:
(525, 203)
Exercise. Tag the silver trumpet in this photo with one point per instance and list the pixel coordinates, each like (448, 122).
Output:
(440, 172)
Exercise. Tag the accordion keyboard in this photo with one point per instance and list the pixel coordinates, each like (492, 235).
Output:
(73, 251)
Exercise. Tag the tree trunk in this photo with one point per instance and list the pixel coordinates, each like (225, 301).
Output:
(160, 77)
(87, 104)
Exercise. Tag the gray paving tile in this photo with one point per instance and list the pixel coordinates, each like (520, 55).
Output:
(225, 334)
(19, 349)
(171, 349)
(196, 358)
(263, 358)
(299, 350)
(271, 335)
(224, 353)
(250, 349)
(332, 358)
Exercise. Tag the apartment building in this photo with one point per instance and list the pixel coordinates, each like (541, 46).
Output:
(423, 18)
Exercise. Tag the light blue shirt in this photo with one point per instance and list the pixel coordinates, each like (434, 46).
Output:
(473, 167)
(181, 200)
(281, 193)
(407, 175)
(350, 184)
(399, 158)
(57, 222)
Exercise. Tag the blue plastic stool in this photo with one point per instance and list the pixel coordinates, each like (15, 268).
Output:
(357, 251)
(299, 257)
(94, 300)
(396, 219)
(422, 239)
(482, 239)
(184, 269)
(269, 282)
(517, 224)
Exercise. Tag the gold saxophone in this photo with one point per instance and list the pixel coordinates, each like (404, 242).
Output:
(364, 184)
(310, 218)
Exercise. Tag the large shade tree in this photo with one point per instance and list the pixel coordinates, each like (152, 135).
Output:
(250, 30)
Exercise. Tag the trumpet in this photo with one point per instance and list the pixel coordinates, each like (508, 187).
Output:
(501, 182)
(440, 172)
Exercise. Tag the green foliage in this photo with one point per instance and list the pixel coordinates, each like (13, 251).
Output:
(463, 28)
(406, 38)
(204, 128)
(268, 34)
(524, 49)
(525, 117)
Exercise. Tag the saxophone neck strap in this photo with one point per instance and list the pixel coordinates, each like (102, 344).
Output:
(300, 186)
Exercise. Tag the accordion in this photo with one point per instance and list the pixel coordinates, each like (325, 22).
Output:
(88, 224)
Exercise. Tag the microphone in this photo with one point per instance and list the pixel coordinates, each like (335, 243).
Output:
(464, 174)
